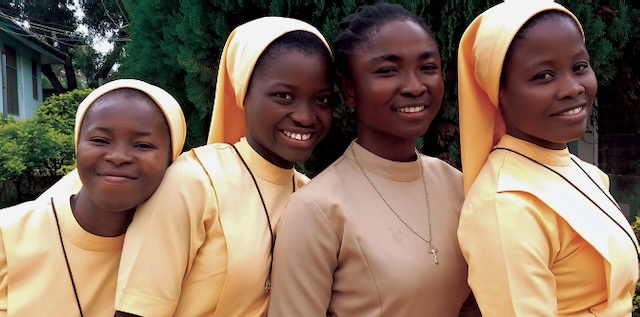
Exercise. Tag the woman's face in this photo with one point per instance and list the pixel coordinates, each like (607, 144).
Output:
(548, 84)
(396, 85)
(288, 106)
(124, 148)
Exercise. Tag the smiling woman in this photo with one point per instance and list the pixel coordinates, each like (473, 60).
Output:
(541, 232)
(202, 245)
(374, 234)
(70, 239)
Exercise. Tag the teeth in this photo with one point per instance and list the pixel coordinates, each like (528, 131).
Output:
(410, 109)
(571, 112)
(297, 136)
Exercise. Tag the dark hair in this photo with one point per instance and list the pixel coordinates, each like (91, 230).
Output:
(300, 41)
(128, 93)
(535, 20)
(354, 30)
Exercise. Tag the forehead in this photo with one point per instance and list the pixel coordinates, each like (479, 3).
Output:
(122, 106)
(398, 37)
(293, 64)
(549, 28)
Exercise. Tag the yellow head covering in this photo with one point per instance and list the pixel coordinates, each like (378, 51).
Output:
(70, 183)
(482, 50)
(241, 52)
(169, 106)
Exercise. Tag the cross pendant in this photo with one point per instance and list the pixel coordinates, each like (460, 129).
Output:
(434, 252)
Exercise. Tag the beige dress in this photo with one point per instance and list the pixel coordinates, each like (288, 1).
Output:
(340, 251)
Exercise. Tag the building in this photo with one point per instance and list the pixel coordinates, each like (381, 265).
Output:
(21, 62)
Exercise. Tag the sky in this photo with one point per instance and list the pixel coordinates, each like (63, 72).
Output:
(101, 45)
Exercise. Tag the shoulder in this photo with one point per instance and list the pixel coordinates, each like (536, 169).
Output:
(14, 214)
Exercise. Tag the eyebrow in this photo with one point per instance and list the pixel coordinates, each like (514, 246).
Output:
(137, 133)
(396, 58)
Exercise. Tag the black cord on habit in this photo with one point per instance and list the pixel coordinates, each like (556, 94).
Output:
(267, 286)
(578, 189)
(66, 259)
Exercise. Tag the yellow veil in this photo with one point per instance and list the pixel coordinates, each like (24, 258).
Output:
(481, 54)
(241, 52)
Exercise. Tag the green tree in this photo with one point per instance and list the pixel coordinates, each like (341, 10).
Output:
(54, 22)
(177, 46)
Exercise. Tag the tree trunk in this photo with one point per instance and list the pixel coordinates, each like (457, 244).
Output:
(55, 82)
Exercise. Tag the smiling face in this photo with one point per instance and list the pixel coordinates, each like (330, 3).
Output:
(548, 85)
(288, 106)
(396, 86)
(124, 148)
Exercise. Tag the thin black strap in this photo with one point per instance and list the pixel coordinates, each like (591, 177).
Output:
(578, 189)
(266, 213)
(66, 259)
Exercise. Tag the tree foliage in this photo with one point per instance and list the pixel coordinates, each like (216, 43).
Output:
(40, 147)
(177, 46)
(54, 22)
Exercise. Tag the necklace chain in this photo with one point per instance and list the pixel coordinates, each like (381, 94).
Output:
(267, 282)
(433, 251)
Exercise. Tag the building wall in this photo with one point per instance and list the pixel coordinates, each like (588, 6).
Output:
(27, 104)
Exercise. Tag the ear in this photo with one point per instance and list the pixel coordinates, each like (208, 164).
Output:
(348, 92)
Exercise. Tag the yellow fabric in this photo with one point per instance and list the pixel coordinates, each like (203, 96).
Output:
(537, 247)
(482, 50)
(169, 106)
(200, 246)
(341, 250)
(239, 56)
(33, 275)
(70, 183)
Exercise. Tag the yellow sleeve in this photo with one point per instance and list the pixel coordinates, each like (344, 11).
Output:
(3, 278)
(305, 256)
(509, 243)
(163, 239)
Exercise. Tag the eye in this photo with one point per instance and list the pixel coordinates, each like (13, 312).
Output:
(98, 140)
(324, 99)
(543, 76)
(580, 67)
(429, 67)
(283, 95)
(385, 70)
(144, 145)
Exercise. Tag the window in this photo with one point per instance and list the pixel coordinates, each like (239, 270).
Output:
(11, 81)
(34, 78)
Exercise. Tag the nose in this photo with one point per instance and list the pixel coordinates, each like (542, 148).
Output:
(412, 85)
(304, 114)
(571, 87)
(119, 154)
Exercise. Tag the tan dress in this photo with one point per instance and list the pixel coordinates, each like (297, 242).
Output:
(341, 251)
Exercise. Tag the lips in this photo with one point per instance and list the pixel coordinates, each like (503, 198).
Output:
(116, 176)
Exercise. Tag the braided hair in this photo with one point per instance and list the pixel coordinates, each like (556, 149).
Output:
(355, 29)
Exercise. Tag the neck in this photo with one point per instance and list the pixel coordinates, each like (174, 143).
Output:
(399, 150)
(97, 220)
(268, 155)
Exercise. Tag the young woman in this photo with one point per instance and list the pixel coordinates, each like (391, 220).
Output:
(60, 254)
(539, 229)
(202, 246)
(374, 234)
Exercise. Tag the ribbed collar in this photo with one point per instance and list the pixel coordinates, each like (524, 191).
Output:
(263, 168)
(392, 170)
(72, 230)
(560, 158)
